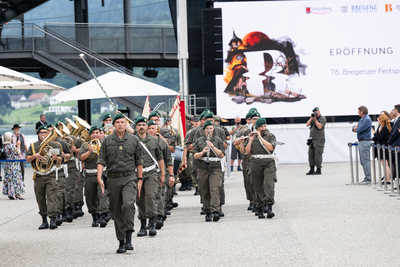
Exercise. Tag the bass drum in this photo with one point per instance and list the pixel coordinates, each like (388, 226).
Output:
(177, 158)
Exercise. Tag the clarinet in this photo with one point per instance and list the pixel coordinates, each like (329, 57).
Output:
(208, 151)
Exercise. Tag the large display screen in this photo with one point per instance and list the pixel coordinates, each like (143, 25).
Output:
(285, 58)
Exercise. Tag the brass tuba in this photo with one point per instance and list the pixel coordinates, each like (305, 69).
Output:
(72, 127)
(82, 132)
(46, 163)
(65, 131)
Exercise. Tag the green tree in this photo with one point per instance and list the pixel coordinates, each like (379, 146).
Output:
(5, 103)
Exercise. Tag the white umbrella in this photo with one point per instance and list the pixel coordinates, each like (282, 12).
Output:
(11, 79)
(116, 85)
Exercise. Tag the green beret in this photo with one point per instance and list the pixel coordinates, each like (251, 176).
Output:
(206, 111)
(315, 109)
(260, 122)
(49, 125)
(141, 119)
(94, 128)
(151, 122)
(255, 114)
(41, 128)
(207, 123)
(208, 115)
(101, 129)
(106, 116)
(248, 115)
(118, 116)
(252, 110)
(153, 113)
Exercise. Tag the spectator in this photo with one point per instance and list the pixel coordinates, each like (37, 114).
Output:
(381, 137)
(363, 130)
(41, 122)
(392, 116)
(394, 139)
(235, 153)
(316, 123)
(13, 185)
(18, 136)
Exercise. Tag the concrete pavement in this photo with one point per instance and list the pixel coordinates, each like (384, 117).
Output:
(319, 222)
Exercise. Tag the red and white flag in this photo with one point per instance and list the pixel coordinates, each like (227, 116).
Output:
(177, 115)
(146, 109)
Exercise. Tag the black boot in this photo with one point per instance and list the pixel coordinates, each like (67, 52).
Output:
(152, 229)
(183, 186)
(216, 217)
(63, 216)
(196, 193)
(254, 208)
(318, 171)
(58, 219)
(75, 211)
(260, 213)
(269, 212)
(102, 220)
(189, 185)
(128, 243)
(166, 212)
(108, 217)
(174, 205)
(159, 222)
(53, 224)
(143, 230)
(80, 211)
(69, 215)
(202, 212)
(121, 248)
(250, 206)
(45, 224)
(208, 217)
(95, 217)
(169, 206)
(221, 214)
(311, 171)
(175, 193)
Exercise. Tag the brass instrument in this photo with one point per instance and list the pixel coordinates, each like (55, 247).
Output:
(65, 131)
(208, 151)
(96, 145)
(82, 132)
(46, 163)
(109, 129)
(72, 127)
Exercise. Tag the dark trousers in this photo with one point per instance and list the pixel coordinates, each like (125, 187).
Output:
(209, 185)
(248, 185)
(60, 191)
(22, 164)
(263, 173)
(70, 187)
(45, 188)
(78, 194)
(147, 204)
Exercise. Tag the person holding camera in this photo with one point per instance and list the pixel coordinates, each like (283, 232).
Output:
(316, 142)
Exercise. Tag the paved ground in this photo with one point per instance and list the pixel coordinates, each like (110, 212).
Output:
(319, 222)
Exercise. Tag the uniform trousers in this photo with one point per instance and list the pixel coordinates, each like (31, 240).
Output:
(96, 201)
(210, 182)
(60, 191)
(122, 191)
(263, 174)
(79, 189)
(147, 206)
(248, 185)
(193, 176)
(315, 152)
(70, 187)
(160, 199)
(45, 187)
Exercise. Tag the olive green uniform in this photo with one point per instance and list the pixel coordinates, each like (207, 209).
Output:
(169, 194)
(61, 181)
(121, 156)
(147, 204)
(248, 184)
(209, 176)
(189, 156)
(96, 201)
(45, 186)
(73, 171)
(318, 137)
(161, 192)
(192, 172)
(262, 171)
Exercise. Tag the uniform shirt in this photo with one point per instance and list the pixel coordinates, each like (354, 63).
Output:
(186, 140)
(77, 144)
(200, 144)
(190, 136)
(167, 135)
(154, 148)
(91, 161)
(217, 132)
(36, 145)
(65, 147)
(316, 133)
(120, 154)
(225, 130)
(166, 153)
(189, 127)
(256, 146)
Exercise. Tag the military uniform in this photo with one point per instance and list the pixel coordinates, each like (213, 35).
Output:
(61, 182)
(209, 176)
(96, 201)
(263, 172)
(192, 172)
(121, 156)
(248, 184)
(318, 138)
(45, 187)
(73, 170)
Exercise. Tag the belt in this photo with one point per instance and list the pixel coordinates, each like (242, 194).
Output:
(147, 169)
(262, 156)
(48, 172)
(211, 159)
(91, 171)
(119, 174)
(364, 139)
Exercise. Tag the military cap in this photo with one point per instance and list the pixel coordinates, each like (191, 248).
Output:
(154, 113)
(252, 110)
(260, 122)
(151, 122)
(208, 115)
(118, 116)
(41, 128)
(207, 111)
(141, 119)
(248, 115)
(255, 114)
(49, 125)
(106, 116)
(101, 129)
(94, 128)
(207, 123)
(196, 118)
(217, 118)
(168, 118)
(315, 109)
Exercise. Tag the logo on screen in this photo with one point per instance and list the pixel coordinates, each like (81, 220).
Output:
(398, 7)
(308, 10)
(318, 10)
(364, 9)
(388, 8)
(344, 9)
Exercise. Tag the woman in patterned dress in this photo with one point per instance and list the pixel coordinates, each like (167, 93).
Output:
(13, 185)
